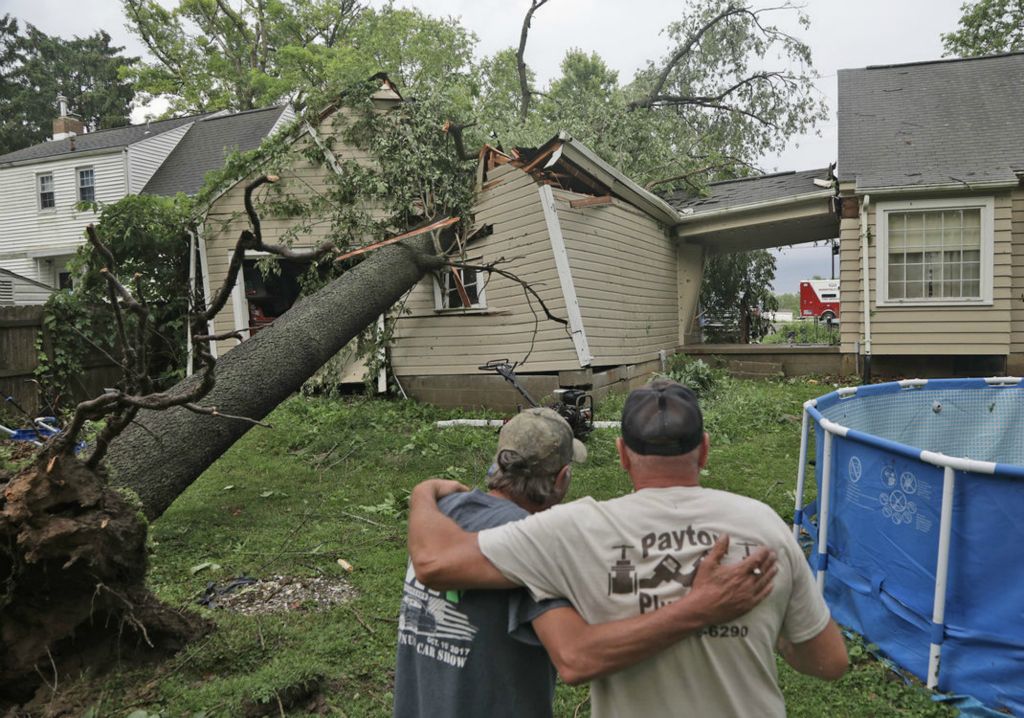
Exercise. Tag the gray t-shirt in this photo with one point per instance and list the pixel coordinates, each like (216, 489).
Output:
(638, 553)
(472, 653)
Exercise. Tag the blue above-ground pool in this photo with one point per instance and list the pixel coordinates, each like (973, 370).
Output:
(918, 528)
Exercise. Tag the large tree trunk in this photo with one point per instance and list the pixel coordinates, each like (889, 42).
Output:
(164, 452)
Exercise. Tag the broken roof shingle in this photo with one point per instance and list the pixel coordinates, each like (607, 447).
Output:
(732, 194)
(206, 145)
(941, 123)
(113, 138)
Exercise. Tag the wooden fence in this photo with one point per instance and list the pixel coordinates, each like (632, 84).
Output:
(20, 327)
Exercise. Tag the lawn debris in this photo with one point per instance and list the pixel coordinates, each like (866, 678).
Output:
(278, 594)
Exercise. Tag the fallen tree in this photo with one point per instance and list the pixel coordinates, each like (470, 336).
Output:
(260, 373)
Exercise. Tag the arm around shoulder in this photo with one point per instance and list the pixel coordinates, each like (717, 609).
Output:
(823, 656)
(442, 554)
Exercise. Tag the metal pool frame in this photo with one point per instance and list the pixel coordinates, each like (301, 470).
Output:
(950, 465)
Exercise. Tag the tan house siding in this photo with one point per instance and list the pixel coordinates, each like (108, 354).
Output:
(1017, 264)
(624, 269)
(851, 326)
(948, 330)
(226, 217)
(431, 342)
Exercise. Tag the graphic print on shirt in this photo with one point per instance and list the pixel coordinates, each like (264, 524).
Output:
(430, 623)
(625, 579)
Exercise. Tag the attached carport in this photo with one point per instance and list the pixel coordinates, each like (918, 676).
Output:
(774, 210)
(759, 212)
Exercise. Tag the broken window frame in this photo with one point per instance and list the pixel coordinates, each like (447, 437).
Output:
(446, 289)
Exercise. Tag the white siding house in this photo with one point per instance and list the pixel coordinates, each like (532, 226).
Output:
(41, 186)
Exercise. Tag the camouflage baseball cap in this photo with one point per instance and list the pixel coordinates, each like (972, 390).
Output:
(541, 441)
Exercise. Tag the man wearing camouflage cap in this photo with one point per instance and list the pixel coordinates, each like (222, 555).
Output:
(458, 651)
(642, 555)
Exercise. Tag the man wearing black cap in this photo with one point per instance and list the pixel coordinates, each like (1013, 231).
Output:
(452, 644)
(639, 554)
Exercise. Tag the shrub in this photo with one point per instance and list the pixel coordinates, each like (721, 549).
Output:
(696, 374)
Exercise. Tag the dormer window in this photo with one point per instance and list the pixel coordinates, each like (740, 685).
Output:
(47, 197)
(86, 184)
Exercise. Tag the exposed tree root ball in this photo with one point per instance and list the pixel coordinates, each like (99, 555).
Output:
(73, 568)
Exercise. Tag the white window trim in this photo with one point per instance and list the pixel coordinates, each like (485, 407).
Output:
(479, 307)
(78, 183)
(39, 192)
(882, 210)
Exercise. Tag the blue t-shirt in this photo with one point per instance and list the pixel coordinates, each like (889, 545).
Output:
(472, 653)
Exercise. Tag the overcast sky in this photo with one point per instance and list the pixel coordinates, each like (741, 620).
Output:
(627, 33)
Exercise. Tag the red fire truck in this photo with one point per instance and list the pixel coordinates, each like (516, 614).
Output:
(819, 298)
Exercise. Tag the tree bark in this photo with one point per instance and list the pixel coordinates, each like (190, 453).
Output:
(163, 452)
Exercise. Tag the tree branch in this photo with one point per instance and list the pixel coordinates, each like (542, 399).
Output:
(687, 47)
(524, 85)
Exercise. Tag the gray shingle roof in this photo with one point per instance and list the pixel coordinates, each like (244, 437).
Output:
(948, 122)
(204, 147)
(732, 194)
(102, 139)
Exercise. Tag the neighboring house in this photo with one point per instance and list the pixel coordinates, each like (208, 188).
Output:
(931, 161)
(16, 290)
(40, 227)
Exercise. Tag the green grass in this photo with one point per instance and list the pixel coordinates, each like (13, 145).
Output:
(330, 482)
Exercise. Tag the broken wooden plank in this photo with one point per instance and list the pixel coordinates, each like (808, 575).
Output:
(591, 201)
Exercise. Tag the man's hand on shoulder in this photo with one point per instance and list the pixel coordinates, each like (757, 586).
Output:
(439, 488)
(725, 592)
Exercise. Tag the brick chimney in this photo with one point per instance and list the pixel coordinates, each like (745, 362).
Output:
(66, 125)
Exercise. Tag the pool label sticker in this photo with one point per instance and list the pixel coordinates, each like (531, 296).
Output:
(855, 469)
(853, 490)
(899, 496)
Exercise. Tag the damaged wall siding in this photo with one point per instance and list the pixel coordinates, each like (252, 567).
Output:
(624, 268)
(941, 330)
(226, 217)
(428, 342)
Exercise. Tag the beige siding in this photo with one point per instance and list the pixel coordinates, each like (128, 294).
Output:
(974, 330)
(624, 269)
(226, 217)
(429, 342)
(1017, 293)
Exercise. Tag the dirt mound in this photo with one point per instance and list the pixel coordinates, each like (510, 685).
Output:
(73, 566)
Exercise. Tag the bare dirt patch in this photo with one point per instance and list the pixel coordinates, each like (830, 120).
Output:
(280, 594)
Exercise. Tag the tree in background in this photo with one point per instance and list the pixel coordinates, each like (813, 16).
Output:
(216, 55)
(706, 110)
(741, 282)
(36, 67)
(987, 27)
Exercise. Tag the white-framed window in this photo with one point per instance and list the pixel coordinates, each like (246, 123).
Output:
(47, 196)
(86, 184)
(447, 294)
(935, 252)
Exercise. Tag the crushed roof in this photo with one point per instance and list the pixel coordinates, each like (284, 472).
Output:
(733, 194)
(206, 144)
(945, 122)
(114, 138)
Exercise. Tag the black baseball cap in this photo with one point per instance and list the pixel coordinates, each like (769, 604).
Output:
(662, 419)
